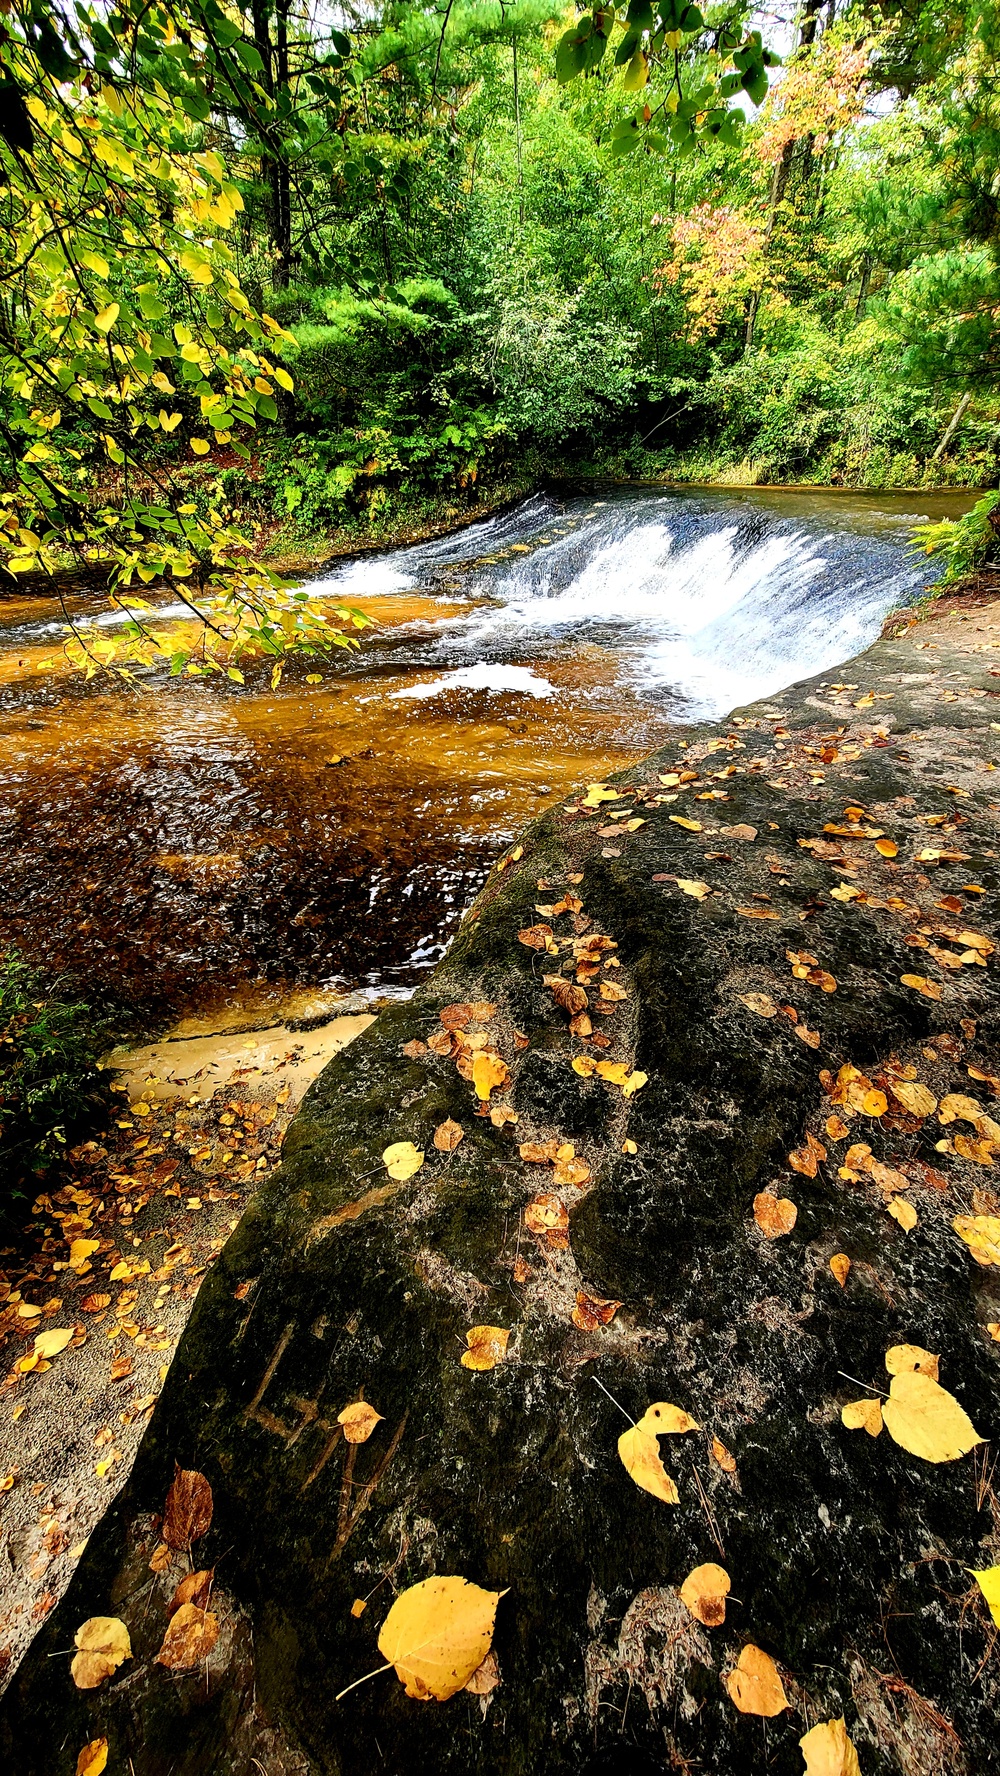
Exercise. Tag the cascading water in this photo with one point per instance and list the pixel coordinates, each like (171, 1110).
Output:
(188, 842)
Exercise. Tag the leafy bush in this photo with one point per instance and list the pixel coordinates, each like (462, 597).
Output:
(50, 1085)
(967, 544)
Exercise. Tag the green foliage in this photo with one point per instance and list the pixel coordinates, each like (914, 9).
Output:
(965, 544)
(50, 1085)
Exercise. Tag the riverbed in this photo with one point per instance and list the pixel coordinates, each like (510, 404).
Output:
(194, 848)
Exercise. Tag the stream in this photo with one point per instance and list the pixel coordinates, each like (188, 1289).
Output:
(193, 848)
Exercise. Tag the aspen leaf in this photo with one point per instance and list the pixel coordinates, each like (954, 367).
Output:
(921, 984)
(447, 1136)
(358, 1421)
(862, 1415)
(615, 1072)
(688, 825)
(697, 890)
(80, 1250)
(49, 1344)
(827, 1749)
(539, 1152)
(989, 1584)
(662, 1419)
(903, 1212)
(927, 1421)
(754, 1686)
(187, 1513)
(887, 847)
(704, 1592)
(806, 1159)
(191, 1634)
(592, 1311)
(761, 1003)
(487, 1347)
(160, 1558)
(902, 1359)
(195, 1588)
(402, 1159)
(598, 793)
(536, 937)
(437, 1634)
(774, 1215)
(488, 1071)
(640, 1456)
(914, 1097)
(585, 1065)
(93, 1758)
(634, 1083)
(723, 1457)
(546, 1215)
(103, 1643)
(840, 1264)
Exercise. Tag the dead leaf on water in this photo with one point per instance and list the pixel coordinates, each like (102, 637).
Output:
(487, 1347)
(187, 1513)
(774, 1215)
(402, 1159)
(827, 1749)
(437, 1634)
(191, 1635)
(358, 1421)
(447, 1135)
(704, 1592)
(103, 1643)
(755, 1686)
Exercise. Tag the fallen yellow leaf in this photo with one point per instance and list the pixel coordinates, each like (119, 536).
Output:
(903, 1212)
(697, 890)
(902, 1359)
(704, 1592)
(640, 1456)
(487, 1347)
(592, 1311)
(927, 1421)
(80, 1250)
(191, 1634)
(688, 825)
(921, 984)
(437, 1634)
(634, 1083)
(862, 1415)
(49, 1344)
(488, 1071)
(827, 1749)
(402, 1159)
(754, 1686)
(989, 1584)
(761, 1003)
(774, 1215)
(93, 1758)
(103, 1643)
(840, 1264)
(914, 1097)
(598, 793)
(723, 1457)
(359, 1606)
(358, 1421)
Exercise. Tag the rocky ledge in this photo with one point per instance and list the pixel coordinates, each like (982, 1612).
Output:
(705, 1094)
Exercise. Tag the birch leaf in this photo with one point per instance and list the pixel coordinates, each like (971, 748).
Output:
(704, 1593)
(488, 1071)
(402, 1159)
(487, 1347)
(981, 1234)
(755, 1686)
(989, 1584)
(437, 1634)
(93, 1758)
(358, 1421)
(103, 1643)
(640, 1456)
(191, 1634)
(901, 1359)
(927, 1421)
(828, 1751)
(862, 1415)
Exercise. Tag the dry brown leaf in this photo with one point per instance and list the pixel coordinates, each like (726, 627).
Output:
(755, 1686)
(160, 1558)
(539, 1152)
(903, 1212)
(774, 1215)
(611, 993)
(187, 1513)
(810, 1037)
(456, 1017)
(837, 1128)
(902, 1359)
(95, 1304)
(915, 1098)
(501, 1114)
(191, 1635)
(413, 1050)
(921, 984)
(806, 1159)
(981, 1234)
(121, 1367)
(358, 1421)
(485, 1677)
(103, 1644)
(927, 1421)
(863, 1415)
(447, 1135)
(93, 1758)
(487, 1347)
(546, 1215)
(536, 937)
(437, 1634)
(571, 999)
(194, 1588)
(758, 913)
(570, 1171)
(401, 1160)
(761, 1003)
(488, 1071)
(840, 1264)
(522, 1270)
(592, 1311)
(704, 1592)
(826, 1748)
(723, 1457)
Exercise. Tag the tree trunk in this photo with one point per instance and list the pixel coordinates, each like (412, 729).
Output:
(952, 427)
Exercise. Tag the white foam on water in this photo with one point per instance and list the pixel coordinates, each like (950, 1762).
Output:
(486, 676)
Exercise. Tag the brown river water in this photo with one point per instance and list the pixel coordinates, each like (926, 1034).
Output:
(188, 846)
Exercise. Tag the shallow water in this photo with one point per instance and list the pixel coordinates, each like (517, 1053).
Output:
(185, 845)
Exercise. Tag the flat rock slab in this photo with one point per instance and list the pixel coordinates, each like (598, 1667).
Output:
(808, 887)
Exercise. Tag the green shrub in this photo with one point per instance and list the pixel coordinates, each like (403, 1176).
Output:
(968, 543)
(50, 1085)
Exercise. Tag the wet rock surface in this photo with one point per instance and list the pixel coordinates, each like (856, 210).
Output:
(849, 1557)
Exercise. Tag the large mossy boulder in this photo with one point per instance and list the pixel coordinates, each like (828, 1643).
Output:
(841, 958)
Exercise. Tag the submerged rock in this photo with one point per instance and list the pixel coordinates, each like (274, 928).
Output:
(799, 910)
